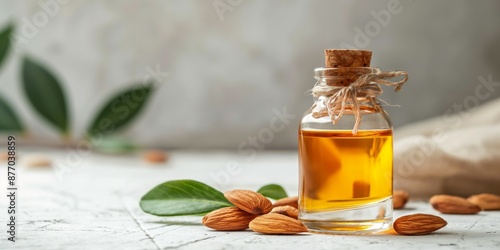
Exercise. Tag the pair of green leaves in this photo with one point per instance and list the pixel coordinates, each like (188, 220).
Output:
(189, 197)
(43, 92)
(46, 95)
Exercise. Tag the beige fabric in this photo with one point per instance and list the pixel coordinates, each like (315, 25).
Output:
(455, 154)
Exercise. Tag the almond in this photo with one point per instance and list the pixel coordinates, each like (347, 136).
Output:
(249, 201)
(4, 156)
(274, 223)
(486, 201)
(418, 224)
(399, 199)
(288, 201)
(228, 219)
(37, 160)
(286, 210)
(448, 204)
(155, 156)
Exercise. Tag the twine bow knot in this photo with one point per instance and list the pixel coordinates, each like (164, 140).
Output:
(366, 86)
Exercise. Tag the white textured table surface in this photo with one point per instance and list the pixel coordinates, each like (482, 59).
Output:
(95, 206)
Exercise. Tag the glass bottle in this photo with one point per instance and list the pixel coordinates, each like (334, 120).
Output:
(346, 176)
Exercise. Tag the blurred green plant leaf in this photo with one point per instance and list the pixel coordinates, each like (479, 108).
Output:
(5, 42)
(45, 94)
(9, 120)
(182, 197)
(115, 145)
(120, 110)
(273, 191)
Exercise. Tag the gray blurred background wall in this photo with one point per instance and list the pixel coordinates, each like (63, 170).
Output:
(224, 66)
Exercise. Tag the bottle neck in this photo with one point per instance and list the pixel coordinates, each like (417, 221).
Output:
(366, 105)
(341, 76)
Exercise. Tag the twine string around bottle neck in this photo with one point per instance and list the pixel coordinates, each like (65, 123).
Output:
(366, 86)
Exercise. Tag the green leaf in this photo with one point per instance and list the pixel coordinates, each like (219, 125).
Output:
(45, 94)
(182, 197)
(273, 191)
(5, 42)
(9, 121)
(115, 145)
(120, 110)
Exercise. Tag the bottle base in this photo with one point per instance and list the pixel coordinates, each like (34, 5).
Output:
(348, 227)
(369, 219)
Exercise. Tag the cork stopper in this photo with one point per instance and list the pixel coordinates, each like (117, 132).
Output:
(344, 66)
(347, 58)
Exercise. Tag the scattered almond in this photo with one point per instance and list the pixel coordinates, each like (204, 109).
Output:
(286, 210)
(418, 224)
(155, 156)
(249, 201)
(399, 199)
(486, 201)
(228, 219)
(288, 201)
(37, 161)
(275, 223)
(448, 204)
(4, 156)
